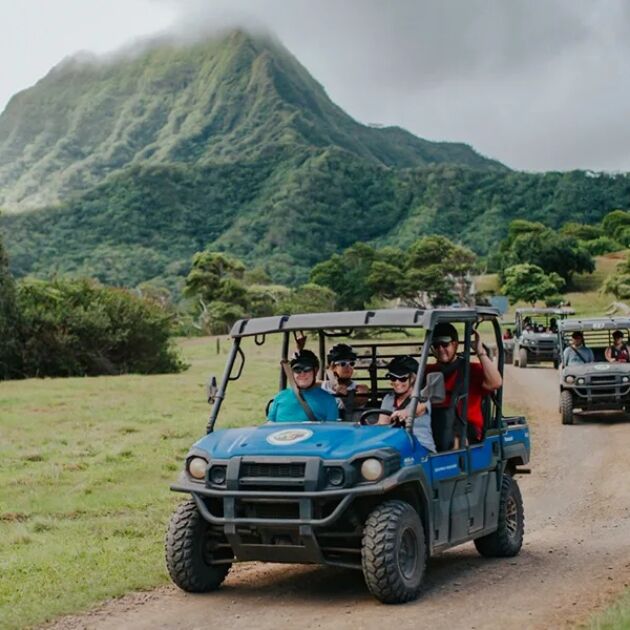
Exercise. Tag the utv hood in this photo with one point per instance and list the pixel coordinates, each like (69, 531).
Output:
(592, 369)
(328, 440)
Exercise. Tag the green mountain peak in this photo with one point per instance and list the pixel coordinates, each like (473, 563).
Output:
(227, 98)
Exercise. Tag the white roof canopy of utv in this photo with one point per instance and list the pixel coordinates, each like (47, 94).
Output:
(595, 323)
(346, 320)
(531, 310)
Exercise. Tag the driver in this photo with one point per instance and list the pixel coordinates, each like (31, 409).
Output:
(286, 407)
(401, 372)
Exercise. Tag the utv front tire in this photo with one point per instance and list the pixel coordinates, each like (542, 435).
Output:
(190, 551)
(566, 406)
(508, 539)
(522, 357)
(393, 552)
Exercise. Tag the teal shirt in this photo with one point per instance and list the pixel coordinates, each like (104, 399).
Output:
(286, 407)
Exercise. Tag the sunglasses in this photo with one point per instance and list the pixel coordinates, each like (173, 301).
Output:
(301, 370)
(442, 344)
(345, 363)
(402, 379)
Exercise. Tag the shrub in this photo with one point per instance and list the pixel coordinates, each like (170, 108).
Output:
(80, 328)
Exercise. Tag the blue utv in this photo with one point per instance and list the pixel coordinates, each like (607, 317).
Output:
(351, 493)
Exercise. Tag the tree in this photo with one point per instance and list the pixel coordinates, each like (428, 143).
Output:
(309, 298)
(616, 225)
(347, 274)
(618, 283)
(529, 283)
(437, 270)
(216, 276)
(80, 328)
(552, 251)
(9, 320)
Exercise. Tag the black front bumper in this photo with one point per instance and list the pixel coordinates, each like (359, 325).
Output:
(291, 525)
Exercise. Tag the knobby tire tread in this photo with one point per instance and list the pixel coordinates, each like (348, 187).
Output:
(498, 544)
(379, 553)
(183, 560)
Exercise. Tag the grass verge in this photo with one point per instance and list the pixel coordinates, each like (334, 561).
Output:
(85, 467)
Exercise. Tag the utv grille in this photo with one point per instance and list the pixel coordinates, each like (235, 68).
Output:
(254, 470)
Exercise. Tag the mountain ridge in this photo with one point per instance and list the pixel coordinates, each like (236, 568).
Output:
(213, 101)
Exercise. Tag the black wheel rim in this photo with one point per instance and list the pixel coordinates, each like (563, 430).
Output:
(408, 554)
(511, 517)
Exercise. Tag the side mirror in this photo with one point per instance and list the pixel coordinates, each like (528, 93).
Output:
(434, 390)
(211, 390)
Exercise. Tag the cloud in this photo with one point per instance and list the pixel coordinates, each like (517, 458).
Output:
(538, 84)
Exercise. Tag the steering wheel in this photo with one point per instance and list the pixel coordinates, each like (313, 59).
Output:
(371, 412)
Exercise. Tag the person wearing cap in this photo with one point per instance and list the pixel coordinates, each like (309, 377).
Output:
(401, 372)
(618, 352)
(286, 407)
(341, 360)
(484, 378)
(577, 353)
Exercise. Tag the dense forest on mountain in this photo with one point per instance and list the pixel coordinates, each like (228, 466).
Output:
(122, 169)
(288, 213)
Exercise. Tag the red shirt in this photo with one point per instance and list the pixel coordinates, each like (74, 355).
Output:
(476, 392)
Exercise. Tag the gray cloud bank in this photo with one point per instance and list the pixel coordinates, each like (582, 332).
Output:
(537, 84)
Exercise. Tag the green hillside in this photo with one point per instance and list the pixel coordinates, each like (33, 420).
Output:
(230, 143)
(286, 212)
(228, 99)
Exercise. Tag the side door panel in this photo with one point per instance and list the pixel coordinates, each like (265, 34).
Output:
(483, 494)
(450, 502)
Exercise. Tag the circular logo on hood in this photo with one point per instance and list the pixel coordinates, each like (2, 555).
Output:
(289, 436)
(601, 366)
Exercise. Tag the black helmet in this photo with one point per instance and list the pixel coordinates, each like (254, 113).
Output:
(402, 366)
(341, 352)
(445, 332)
(305, 359)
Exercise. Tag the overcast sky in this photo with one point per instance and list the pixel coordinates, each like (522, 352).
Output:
(537, 84)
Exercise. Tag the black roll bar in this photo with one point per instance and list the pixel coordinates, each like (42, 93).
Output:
(220, 395)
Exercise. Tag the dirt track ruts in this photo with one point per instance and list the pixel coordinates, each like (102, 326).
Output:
(576, 555)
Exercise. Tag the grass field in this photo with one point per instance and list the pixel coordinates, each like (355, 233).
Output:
(85, 465)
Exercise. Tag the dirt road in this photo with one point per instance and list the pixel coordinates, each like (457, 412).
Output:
(576, 555)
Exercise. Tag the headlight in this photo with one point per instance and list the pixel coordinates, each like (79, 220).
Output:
(569, 378)
(372, 469)
(624, 379)
(197, 467)
(580, 381)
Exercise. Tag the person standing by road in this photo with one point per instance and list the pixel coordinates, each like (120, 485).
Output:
(577, 353)
(484, 379)
(618, 352)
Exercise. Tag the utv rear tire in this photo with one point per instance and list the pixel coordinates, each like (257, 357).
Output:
(556, 364)
(566, 406)
(522, 357)
(189, 551)
(393, 552)
(508, 539)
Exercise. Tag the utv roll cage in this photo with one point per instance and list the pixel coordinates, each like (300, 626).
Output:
(371, 364)
(597, 333)
(521, 313)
